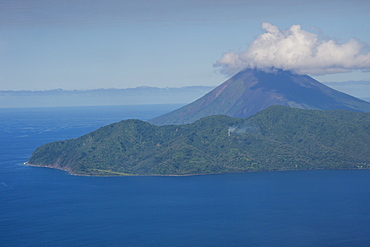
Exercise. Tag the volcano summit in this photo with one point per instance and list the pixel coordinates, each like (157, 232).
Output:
(252, 90)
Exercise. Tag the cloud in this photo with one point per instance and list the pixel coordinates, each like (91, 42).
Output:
(299, 51)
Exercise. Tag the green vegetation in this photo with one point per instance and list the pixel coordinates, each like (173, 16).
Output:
(278, 138)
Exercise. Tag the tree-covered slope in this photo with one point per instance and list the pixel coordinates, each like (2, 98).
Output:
(278, 138)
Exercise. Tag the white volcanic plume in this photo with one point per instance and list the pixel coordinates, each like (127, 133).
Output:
(299, 51)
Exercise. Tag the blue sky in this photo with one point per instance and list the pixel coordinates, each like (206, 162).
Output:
(88, 44)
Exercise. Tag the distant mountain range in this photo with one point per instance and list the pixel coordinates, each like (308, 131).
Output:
(132, 96)
(252, 90)
(128, 96)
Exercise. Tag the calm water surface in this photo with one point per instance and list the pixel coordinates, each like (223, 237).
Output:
(47, 207)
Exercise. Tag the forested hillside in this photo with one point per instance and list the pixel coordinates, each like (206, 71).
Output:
(278, 138)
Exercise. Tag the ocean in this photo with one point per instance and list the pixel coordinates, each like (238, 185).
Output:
(48, 207)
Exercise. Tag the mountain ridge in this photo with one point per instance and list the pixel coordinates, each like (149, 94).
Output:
(277, 138)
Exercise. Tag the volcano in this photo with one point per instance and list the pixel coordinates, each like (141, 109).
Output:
(253, 90)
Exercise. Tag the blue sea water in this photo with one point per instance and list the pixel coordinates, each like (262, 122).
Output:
(47, 207)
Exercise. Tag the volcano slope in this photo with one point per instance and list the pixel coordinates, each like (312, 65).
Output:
(252, 90)
(277, 138)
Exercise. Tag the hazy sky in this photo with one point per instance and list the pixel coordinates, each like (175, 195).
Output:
(87, 44)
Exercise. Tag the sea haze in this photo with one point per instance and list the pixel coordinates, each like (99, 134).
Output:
(47, 207)
(128, 96)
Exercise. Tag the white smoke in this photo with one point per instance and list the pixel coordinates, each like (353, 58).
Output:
(299, 51)
(247, 127)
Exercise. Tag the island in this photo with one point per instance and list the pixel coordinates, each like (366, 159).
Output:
(274, 139)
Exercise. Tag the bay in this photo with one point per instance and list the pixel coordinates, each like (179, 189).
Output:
(47, 207)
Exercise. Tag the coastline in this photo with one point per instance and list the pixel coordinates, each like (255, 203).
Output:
(184, 175)
(51, 167)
